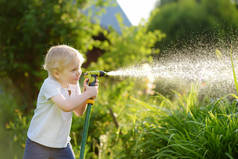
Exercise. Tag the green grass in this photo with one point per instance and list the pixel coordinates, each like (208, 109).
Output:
(188, 130)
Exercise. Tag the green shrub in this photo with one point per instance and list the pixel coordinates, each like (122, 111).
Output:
(185, 129)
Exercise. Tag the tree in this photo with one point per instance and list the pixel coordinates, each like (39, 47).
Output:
(163, 2)
(28, 28)
(186, 19)
(133, 46)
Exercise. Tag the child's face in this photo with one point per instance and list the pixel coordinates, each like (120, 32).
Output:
(70, 75)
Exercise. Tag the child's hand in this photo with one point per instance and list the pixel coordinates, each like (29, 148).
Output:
(91, 90)
(85, 84)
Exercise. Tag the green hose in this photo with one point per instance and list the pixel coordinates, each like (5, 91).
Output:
(92, 77)
(85, 131)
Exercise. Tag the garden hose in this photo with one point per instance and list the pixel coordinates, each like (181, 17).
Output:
(92, 76)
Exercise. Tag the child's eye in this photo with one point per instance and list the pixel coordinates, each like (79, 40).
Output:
(75, 69)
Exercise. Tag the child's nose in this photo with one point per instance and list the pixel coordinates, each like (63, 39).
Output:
(79, 72)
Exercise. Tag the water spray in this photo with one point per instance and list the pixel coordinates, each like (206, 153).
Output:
(92, 76)
(204, 68)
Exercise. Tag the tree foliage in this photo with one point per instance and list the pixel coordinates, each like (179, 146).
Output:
(186, 20)
(135, 45)
(29, 28)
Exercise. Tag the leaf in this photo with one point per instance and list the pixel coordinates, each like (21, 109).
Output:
(218, 54)
(233, 70)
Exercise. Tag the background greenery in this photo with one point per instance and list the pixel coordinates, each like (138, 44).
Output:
(125, 121)
(189, 22)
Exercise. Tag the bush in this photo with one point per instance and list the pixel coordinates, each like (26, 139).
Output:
(185, 128)
(13, 122)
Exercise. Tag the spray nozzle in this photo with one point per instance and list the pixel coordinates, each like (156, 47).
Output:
(92, 75)
(95, 73)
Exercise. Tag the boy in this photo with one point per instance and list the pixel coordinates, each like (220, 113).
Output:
(48, 133)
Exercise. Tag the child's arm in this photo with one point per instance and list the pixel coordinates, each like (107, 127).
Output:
(72, 103)
(81, 109)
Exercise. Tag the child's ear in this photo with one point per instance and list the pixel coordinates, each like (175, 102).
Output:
(56, 73)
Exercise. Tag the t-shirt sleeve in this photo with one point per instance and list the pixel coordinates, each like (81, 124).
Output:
(51, 89)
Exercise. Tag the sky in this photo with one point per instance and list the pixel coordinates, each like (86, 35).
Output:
(137, 9)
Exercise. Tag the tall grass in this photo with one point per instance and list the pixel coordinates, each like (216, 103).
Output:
(189, 130)
(233, 70)
(12, 128)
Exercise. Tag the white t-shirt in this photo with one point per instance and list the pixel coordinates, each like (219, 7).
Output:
(50, 126)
